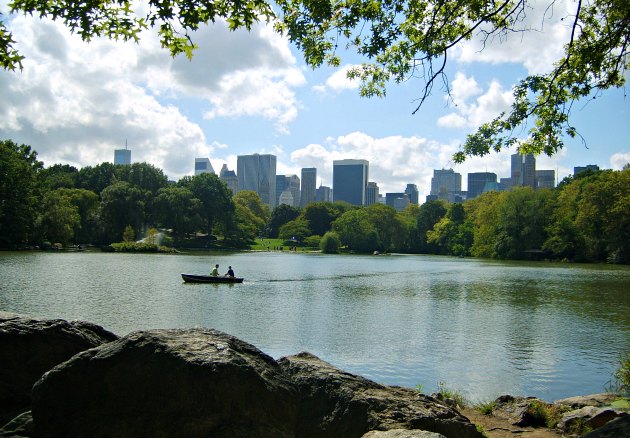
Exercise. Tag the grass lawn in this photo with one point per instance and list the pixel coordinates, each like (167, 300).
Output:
(268, 244)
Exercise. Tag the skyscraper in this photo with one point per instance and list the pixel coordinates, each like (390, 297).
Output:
(288, 190)
(529, 171)
(371, 193)
(229, 178)
(580, 169)
(477, 182)
(350, 178)
(524, 170)
(516, 170)
(281, 184)
(122, 156)
(309, 185)
(445, 181)
(545, 179)
(412, 193)
(258, 173)
(323, 194)
(203, 165)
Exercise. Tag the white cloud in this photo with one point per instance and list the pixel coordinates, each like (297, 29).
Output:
(485, 107)
(338, 81)
(75, 102)
(619, 160)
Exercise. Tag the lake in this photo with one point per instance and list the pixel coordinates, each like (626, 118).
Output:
(483, 327)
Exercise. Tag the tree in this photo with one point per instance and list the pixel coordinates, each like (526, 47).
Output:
(260, 212)
(178, 209)
(97, 178)
(429, 214)
(320, 216)
(391, 230)
(59, 176)
(281, 215)
(296, 229)
(87, 206)
(59, 218)
(122, 205)
(215, 197)
(330, 243)
(19, 192)
(452, 234)
(116, 19)
(401, 40)
(145, 176)
(356, 231)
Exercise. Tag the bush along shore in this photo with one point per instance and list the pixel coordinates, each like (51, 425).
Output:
(61, 378)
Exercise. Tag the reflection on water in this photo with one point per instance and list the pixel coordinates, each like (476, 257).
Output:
(483, 327)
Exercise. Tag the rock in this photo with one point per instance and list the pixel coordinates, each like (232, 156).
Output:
(29, 347)
(196, 382)
(20, 426)
(334, 403)
(590, 416)
(401, 433)
(522, 411)
(614, 429)
(587, 400)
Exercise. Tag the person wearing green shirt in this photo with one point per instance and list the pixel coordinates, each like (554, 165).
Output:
(215, 271)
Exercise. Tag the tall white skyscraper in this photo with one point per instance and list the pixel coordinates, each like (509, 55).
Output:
(258, 173)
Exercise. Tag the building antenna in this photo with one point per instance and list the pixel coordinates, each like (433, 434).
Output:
(126, 144)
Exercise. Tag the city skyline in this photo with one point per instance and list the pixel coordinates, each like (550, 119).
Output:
(261, 98)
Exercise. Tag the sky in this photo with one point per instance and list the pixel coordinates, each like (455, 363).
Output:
(251, 92)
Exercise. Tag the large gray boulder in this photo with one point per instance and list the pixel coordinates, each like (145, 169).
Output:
(334, 403)
(195, 382)
(614, 429)
(29, 347)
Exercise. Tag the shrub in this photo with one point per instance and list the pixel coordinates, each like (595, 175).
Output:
(453, 394)
(486, 408)
(313, 241)
(330, 243)
(622, 375)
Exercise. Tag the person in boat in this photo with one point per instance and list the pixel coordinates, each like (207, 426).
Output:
(215, 271)
(230, 272)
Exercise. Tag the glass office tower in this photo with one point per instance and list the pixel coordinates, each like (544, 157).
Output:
(258, 173)
(350, 180)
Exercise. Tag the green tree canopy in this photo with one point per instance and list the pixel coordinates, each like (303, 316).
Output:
(60, 176)
(281, 215)
(122, 204)
(356, 231)
(215, 197)
(145, 176)
(251, 200)
(178, 209)
(97, 178)
(320, 216)
(19, 192)
(297, 229)
(59, 218)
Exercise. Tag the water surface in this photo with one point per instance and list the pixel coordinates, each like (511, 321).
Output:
(484, 327)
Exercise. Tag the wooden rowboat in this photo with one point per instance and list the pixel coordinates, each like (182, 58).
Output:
(192, 278)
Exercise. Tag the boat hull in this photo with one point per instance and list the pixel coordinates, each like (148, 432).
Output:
(192, 278)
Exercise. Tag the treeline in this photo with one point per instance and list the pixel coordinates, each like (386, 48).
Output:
(586, 218)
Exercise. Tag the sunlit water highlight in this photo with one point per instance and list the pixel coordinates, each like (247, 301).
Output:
(484, 327)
